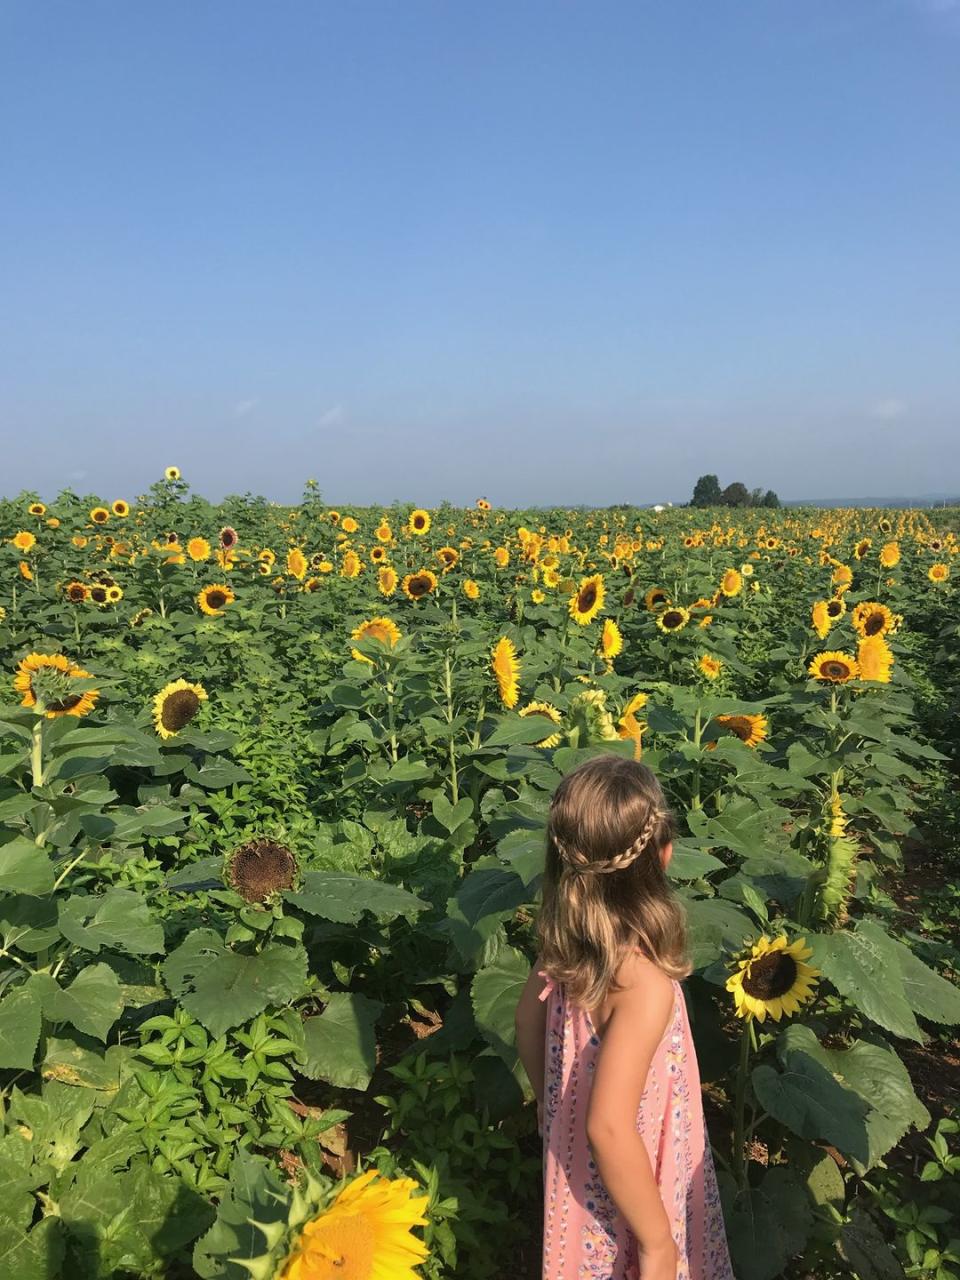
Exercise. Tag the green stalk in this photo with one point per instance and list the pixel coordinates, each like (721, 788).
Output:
(448, 689)
(739, 1156)
(695, 802)
(391, 722)
(36, 752)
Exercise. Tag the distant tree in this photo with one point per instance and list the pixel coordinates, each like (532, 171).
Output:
(735, 495)
(756, 498)
(770, 499)
(706, 492)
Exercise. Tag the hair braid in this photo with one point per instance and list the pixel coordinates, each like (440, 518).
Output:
(578, 862)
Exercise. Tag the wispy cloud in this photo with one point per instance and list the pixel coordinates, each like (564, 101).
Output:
(330, 417)
(244, 407)
(888, 410)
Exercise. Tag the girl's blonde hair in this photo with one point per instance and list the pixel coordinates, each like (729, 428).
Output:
(605, 889)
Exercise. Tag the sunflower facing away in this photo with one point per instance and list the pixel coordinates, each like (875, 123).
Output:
(709, 666)
(875, 659)
(611, 640)
(675, 618)
(175, 706)
(365, 1234)
(386, 580)
(731, 584)
(655, 599)
(383, 629)
(506, 668)
(587, 600)
(548, 713)
(418, 585)
(48, 682)
(750, 729)
(834, 666)
(214, 599)
(419, 522)
(773, 979)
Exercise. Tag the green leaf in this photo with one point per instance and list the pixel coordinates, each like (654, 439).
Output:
(518, 730)
(806, 1098)
(120, 919)
(74, 1061)
(865, 1248)
(344, 898)
(92, 1003)
(224, 988)
(862, 968)
(28, 923)
(256, 1194)
(487, 891)
(927, 993)
(523, 850)
(495, 992)
(767, 1225)
(341, 1046)
(450, 816)
(688, 863)
(19, 1028)
(216, 774)
(37, 1255)
(409, 770)
(715, 925)
(25, 868)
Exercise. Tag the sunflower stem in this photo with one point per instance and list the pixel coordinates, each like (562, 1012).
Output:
(695, 802)
(448, 689)
(392, 722)
(739, 1155)
(36, 753)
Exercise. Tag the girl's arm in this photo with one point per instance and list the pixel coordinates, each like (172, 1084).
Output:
(531, 1024)
(640, 1013)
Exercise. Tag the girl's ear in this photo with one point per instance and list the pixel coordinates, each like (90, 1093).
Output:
(666, 853)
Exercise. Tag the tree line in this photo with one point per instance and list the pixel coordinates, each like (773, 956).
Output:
(707, 493)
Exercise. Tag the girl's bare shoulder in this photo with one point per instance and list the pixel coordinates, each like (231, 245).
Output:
(640, 980)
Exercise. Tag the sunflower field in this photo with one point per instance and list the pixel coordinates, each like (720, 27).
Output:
(273, 788)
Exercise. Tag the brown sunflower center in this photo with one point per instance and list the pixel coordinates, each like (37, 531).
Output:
(836, 670)
(261, 867)
(834, 609)
(873, 624)
(419, 586)
(770, 976)
(672, 618)
(216, 599)
(587, 597)
(179, 708)
(66, 703)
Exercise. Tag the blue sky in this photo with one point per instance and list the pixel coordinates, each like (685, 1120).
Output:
(538, 250)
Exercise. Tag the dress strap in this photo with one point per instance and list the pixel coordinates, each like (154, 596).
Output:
(549, 986)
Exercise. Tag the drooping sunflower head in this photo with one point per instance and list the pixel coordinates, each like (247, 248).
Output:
(587, 600)
(834, 666)
(214, 599)
(176, 705)
(750, 729)
(260, 868)
(870, 618)
(420, 584)
(419, 522)
(550, 714)
(773, 979)
(506, 669)
(673, 618)
(656, 599)
(54, 686)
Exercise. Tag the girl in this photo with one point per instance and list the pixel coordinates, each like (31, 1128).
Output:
(630, 1190)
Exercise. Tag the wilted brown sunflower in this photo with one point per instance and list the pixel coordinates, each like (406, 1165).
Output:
(260, 868)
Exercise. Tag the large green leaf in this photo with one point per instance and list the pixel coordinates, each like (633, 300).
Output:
(862, 967)
(495, 992)
(256, 1195)
(876, 1073)
(927, 993)
(864, 1246)
(224, 988)
(341, 1045)
(37, 1255)
(342, 898)
(768, 1224)
(92, 1003)
(19, 1028)
(25, 868)
(715, 924)
(28, 923)
(805, 1097)
(119, 920)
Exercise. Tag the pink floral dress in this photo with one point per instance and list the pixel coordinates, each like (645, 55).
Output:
(584, 1235)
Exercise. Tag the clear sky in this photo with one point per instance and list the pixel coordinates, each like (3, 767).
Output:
(538, 250)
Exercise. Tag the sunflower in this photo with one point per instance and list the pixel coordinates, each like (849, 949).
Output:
(629, 726)
(834, 666)
(820, 615)
(333, 517)
(938, 572)
(709, 666)
(871, 619)
(349, 525)
(537, 596)
(259, 868)
(673, 619)
(655, 599)
(750, 729)
(296, 563)
(140, 617)
(842, 577)
(773, 979)
(53, 523)
(37, 509)
(611, 640)
(731, 584)
(120, 508)
(99, 515)
(383, 532)
(884, 525)
(483, 504)
(501, 557)
(448, 557)
(214, 599)
(24, 540)
(386, 580)
(311, 584)
(875, 659)
(890, 555)
(198, 549)
(378, 555)
(586, 601)
(25, 571)
(548, 712)
(228, 537)
(114, 594)
(76, 592)
(471, 589)
(325, 566)
(97, 593)
(747, 569)
(385, 630)
(506, 668)
(420, 584)
(46, 682)
(175, 706)
(363, 1235)
(419, 522)
(269, 557)
(171, 474)
(862, 547)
